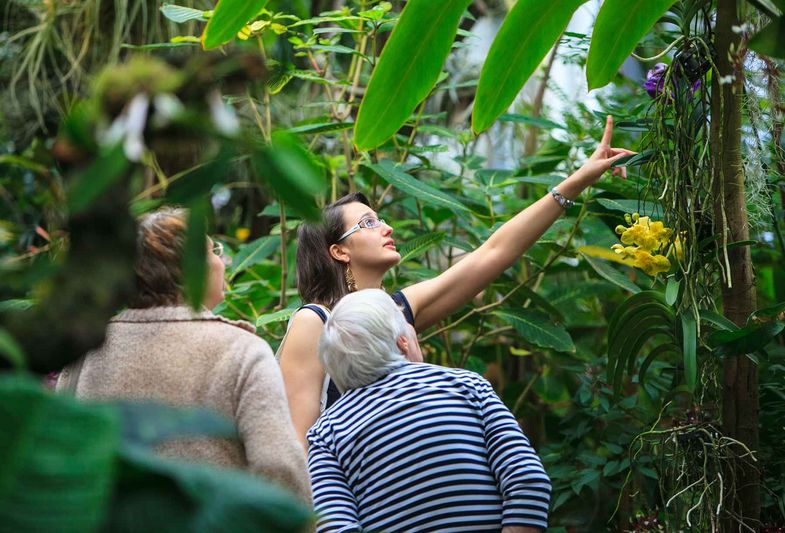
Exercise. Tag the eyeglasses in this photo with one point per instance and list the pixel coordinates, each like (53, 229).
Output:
(367, 223)
(218, 249)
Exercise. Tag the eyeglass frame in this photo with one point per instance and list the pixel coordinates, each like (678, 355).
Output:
(217, 248)
(357, 227)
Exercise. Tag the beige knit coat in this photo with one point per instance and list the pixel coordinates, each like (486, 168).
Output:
(180, 357)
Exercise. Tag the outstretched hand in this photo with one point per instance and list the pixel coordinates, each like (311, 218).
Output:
(605, 155)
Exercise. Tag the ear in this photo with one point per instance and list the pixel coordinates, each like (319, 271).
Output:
(403, 345)
(338, 253)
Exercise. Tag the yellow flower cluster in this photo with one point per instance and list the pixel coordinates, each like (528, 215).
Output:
(642, 242)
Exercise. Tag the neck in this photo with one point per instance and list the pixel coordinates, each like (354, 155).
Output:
(368, 279)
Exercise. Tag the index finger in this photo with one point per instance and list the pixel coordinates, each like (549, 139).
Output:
(606, 136)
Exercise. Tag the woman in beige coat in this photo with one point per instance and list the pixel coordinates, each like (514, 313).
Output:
(160, 349)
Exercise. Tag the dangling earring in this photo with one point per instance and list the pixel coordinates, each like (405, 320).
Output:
(351, 284)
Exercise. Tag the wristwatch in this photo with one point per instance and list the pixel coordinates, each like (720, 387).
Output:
(566, 203)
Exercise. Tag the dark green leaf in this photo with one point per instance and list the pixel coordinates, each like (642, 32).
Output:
(321, 127)
(392, 174)
(159, 495)
(288, 168)
(528, 32)
(746, 340)
(108, 167)
(689, 332)
(620, 25)
(195, 252)
(768, 7)
(536, 328)
(407, 69)
(717, 321)
(58, 459)
(148, 424)
(228, 18)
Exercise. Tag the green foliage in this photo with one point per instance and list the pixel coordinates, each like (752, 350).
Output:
(406, 72)
(620, 25)
(527, 34)
(770, 40)
(228, 18)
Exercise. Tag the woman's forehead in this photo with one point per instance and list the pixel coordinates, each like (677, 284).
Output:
(356, 211)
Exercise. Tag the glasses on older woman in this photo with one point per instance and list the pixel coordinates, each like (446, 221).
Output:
(218, 248)
(367, 223)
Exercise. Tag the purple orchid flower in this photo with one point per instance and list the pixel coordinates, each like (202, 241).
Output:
(655, 80)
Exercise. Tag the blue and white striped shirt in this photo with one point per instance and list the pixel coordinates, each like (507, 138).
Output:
(425, 448)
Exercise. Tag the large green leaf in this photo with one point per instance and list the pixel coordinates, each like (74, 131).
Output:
(228, 18)
(746, 340)
(537, 328)
(407, 69)
(620, 25)
(770, 41)
(631, 206)
(58, 460)
(195, 253)
(392, 174)
(154, 494)
(289, 169)
(529, 30)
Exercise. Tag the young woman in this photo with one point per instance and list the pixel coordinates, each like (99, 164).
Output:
(353, 249)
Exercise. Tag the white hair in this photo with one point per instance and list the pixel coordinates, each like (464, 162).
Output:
(359, 341)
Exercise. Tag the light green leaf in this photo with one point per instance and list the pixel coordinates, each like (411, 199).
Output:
(539, 122)
(631, 206)
(537, 328)
(407, 69)
(672, 291)
(420, 244)
(16, 304)
(11, 350)
(255, 252)
(611, 274)
(228, 18)
(528, 32)
(392, 174)
(182, 14)
(277, 316)
(321, 127)
(620, 26)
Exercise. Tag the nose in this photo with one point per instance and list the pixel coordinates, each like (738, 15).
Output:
(386, 229)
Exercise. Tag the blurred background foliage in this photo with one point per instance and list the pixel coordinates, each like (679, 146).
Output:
(110, 109)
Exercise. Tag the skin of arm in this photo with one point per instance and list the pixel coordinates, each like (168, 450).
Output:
(303, 373)
(436, 298)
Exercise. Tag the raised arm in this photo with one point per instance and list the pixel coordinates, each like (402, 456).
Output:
(303, 373)
(434, 299)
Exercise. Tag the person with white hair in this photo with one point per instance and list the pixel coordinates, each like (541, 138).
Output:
(412, 446)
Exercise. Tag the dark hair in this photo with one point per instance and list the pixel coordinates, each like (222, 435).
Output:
(159, 249)
(321, 279)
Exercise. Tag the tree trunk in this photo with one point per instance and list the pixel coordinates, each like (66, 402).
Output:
(740, 377)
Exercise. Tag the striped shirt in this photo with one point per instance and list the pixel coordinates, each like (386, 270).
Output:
(424, 448)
